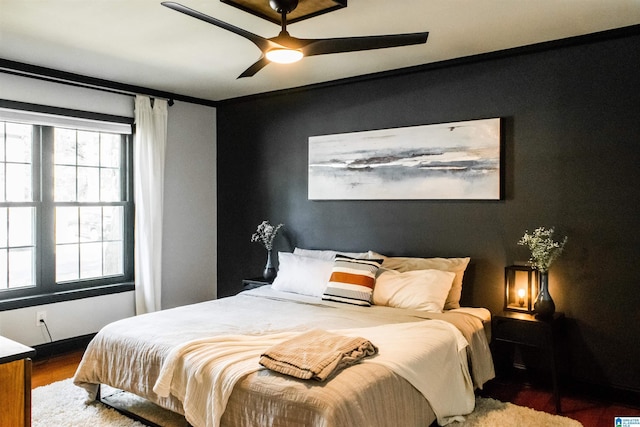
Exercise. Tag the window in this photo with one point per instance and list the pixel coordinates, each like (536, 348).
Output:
(66, 210)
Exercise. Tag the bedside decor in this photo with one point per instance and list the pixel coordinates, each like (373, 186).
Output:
(520, 283)
(265, 234)
(544, 250)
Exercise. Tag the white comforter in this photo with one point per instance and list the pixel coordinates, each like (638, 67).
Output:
(132, 354)
(202, 373)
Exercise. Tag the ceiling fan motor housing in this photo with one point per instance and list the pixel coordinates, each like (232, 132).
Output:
(286, 6)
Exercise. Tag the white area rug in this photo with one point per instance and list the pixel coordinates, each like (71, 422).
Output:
(491, 412)
(62, 404)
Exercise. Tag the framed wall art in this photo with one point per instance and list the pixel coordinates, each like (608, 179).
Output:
(448, 161)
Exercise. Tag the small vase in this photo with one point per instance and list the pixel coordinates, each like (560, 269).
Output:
(544, 306)
(269, 272)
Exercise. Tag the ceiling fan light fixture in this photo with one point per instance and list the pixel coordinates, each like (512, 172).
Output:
(284, 56)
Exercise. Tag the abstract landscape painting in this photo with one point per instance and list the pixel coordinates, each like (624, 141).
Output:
(454, 161)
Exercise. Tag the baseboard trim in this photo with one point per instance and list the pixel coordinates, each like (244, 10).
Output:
(54, 348)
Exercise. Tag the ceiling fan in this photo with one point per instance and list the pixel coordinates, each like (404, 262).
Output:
(285, 48)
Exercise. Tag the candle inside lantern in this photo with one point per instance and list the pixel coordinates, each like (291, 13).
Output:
(521, 294)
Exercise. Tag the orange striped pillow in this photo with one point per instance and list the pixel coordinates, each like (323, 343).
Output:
(352, 280)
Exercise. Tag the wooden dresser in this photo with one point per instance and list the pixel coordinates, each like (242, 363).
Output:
(15, 383)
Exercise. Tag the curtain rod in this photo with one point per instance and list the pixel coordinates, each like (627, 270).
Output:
(72, 79)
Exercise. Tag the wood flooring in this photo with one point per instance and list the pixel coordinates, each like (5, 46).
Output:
(591, 412)
(55, 368)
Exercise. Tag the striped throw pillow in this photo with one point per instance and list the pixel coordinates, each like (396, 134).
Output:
(352, 280)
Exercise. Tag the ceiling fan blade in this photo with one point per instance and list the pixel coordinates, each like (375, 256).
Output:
(253, 69)
(262, 43)
(353, 44)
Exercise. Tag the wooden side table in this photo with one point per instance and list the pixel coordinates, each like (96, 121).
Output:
(526, 329)
(254, 283)
(15, 383)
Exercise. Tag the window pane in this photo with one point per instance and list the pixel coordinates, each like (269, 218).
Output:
(21, 267)
(64, 147)
(2, 198)
(100, 252)
(18, 261)
(96, 176)
(67, 262)
(90, 224)
(3, 228)
(18, 143)
(90, 260)
(112, 223)
(67, 225)
(4, 284)
(2, 125)
(18, 182)
(88, 184)
(110, 185)
(65, 184)
(88, 148)
(110, 150)
(113, 258)
(21, 227)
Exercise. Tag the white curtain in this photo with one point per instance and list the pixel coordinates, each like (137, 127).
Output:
(149, 154)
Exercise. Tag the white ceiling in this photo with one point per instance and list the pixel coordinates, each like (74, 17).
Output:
(142, 43)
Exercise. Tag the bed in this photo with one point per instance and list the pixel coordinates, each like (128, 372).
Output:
(428, 364)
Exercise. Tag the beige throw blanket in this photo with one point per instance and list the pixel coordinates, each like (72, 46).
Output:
(202, 373)
(316, 354)
(428, 354)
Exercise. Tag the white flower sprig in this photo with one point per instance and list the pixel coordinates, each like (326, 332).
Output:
(544, 250)
(265, 234)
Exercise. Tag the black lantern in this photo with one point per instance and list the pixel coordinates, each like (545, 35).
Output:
(521, 287)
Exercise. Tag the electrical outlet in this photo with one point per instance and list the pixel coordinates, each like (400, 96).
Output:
(41, 315)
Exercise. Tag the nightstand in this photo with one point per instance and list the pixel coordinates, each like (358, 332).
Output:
(525, 329)
(15, 377)
(254, 283)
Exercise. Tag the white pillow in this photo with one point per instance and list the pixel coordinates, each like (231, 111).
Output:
(302, 275)
(328, 255)
(424, 290)
(455, 265)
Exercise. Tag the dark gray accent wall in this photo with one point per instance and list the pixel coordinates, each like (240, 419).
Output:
(572, 160)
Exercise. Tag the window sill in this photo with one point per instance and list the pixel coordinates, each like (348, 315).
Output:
(30, 301)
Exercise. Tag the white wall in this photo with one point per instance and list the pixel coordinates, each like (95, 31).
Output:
(23, 89)
(189, 243)
(66, 319)
(189, 225)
